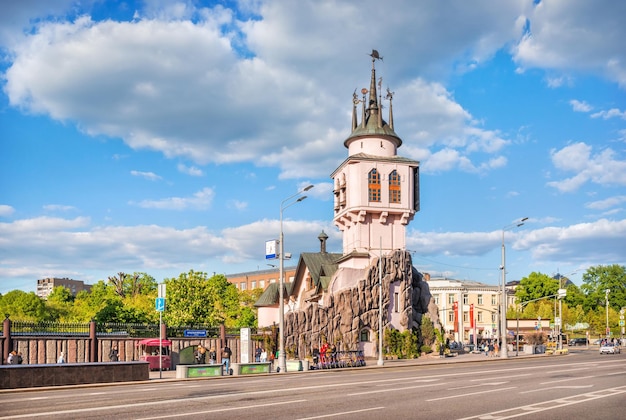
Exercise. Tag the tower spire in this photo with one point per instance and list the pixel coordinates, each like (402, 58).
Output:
(373, 103)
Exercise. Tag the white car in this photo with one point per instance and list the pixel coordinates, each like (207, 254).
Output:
(609, 348)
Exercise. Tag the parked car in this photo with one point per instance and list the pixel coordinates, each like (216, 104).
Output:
(578, 342)
(597, 341)
(609, 348)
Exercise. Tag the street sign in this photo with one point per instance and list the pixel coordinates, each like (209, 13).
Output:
(621, 322)
(194, 333)
(160, 304)
(270, 249)
(161, 290)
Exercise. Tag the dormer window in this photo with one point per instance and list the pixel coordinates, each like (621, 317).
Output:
(373, 181)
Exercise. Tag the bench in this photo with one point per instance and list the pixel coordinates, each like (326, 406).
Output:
(251, 368)
(198, 371)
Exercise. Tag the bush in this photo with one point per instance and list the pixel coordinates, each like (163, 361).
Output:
(426, 349)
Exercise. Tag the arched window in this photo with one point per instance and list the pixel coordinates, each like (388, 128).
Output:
(394, 187)
(365, 335)
(373, 180)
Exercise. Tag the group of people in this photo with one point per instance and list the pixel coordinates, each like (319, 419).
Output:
(490, 348)
(260, 355)
(200, 355)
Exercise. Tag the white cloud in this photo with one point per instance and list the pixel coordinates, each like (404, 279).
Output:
(580, 106)
(606, 203)
(564, 37)
(572, 243)
(219, 70)
(201, 200)
(6, 210)
(151, 176)
(611, 113)
(603, 168)
(58, 207)
(190, 170)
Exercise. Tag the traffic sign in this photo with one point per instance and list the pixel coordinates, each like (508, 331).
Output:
(621, 322)
(160, 304)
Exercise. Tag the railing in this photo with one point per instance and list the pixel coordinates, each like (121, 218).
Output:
(22, 328)
(109, 329)
(127, 330)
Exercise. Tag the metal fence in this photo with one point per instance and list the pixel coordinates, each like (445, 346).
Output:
(22, 328)
(108, 329)
(127, 330)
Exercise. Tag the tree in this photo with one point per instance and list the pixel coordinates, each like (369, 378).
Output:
(194, 298)
(535, 286)
(130, 285)
(60, 303)
(23, 306)
(597, 280)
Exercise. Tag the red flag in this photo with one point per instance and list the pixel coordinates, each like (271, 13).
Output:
(455, 306)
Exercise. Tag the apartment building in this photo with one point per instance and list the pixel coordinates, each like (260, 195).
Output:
(45, 286)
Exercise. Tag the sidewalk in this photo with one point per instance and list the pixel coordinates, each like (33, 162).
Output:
(373, 363)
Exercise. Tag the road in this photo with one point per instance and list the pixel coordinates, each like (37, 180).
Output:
(582, 384)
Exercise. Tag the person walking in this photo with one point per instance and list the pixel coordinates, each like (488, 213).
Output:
(226, 353)
(257, 354)
(263, 356)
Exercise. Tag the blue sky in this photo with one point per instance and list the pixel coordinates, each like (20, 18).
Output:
(162, 136)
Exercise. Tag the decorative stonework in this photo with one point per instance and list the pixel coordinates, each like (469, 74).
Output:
(344, 313)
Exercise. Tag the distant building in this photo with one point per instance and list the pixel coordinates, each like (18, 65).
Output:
(261, 278)
(466, 308)
(45, 286)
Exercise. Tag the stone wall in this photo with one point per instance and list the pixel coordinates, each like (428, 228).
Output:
(29, 376)
(346, 312)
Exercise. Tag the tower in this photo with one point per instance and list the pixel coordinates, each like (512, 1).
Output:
(376, 192)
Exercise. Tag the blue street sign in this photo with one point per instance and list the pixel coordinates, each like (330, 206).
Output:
(194, 333)
(160, 304)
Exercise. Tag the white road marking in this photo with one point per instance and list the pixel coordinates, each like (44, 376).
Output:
(218, 410)
(470, 393)
(525, 410)
(342, 413)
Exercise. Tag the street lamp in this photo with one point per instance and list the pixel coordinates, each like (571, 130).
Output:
(608, 332)
(282, 362)
(504, 353)
(380, 305)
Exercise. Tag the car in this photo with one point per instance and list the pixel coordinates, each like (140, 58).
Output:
(597, 342)
(609, 348)
(578, 342)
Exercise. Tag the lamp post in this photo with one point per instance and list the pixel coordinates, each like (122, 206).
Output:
(608, 332)
(380, 305)
(282, 362)
(504, 353)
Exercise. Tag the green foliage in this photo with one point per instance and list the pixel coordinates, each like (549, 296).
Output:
(194, 298)
(426, 349)
(597, 279)
(23, 306)
(536, 286)
(401, 344)
(60, 303)
(427, 330)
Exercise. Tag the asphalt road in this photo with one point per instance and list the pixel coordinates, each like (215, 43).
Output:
(580, 385)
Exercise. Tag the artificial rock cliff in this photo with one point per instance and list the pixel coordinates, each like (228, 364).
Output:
(343, 313)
